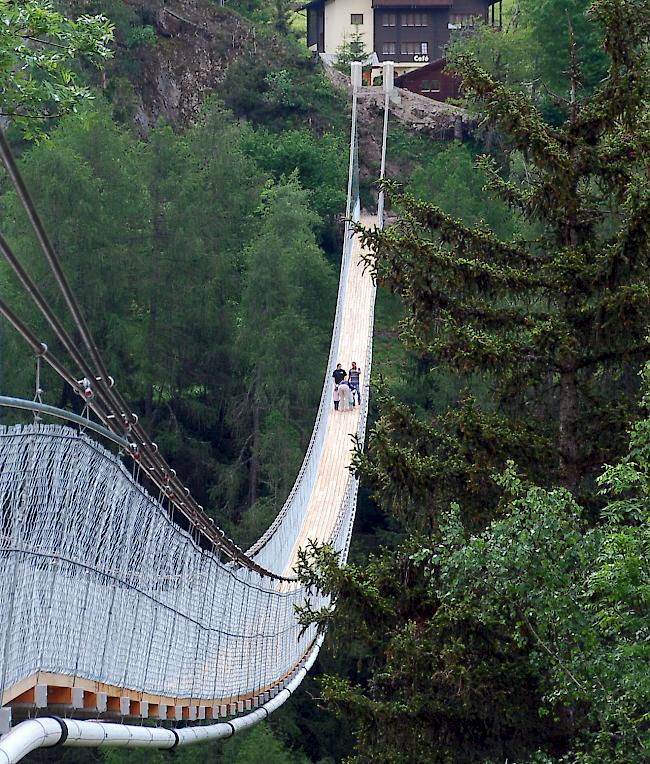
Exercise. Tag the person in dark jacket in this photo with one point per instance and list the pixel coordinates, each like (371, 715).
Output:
(339, 374)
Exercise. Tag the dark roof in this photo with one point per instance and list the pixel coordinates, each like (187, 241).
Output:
(396, 4)
(434, 66)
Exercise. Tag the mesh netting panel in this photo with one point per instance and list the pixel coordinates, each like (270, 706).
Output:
(97, 582)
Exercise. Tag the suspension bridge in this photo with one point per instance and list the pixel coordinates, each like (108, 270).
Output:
(122, 606)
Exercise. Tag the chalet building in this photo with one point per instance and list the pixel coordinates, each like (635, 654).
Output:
(431, 80)
(412, 33)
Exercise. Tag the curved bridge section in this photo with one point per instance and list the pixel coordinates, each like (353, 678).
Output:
(98, 586)
(109, 607)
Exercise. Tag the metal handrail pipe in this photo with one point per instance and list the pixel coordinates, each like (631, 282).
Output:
(51, 731)
(44, 408)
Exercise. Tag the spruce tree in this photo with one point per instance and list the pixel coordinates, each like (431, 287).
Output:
(547, 331)
(553, 325)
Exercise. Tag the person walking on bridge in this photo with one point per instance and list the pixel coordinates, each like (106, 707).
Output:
(345, 396)
(339, 374)
(353, 381)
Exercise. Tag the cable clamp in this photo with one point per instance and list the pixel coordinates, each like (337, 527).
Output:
(86, 388)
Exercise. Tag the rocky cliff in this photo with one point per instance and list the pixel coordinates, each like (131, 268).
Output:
(169, 55)
(197, 42)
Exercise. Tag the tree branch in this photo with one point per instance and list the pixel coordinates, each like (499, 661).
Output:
(45, 42)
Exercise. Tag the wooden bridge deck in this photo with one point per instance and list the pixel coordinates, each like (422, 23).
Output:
(331, 480)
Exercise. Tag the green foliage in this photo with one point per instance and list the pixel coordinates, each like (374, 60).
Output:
(138, 36)
(440, 685)
(515, 625)
(283, 12)
(533, 634)
(86, 185)
(534, 50)
(550, 324)
(38, 50)
(172, 296)
(244, 748)
(549, 23)
(132, 22)
(404, 145)
(511, 53)
(286, 278)
(281, 87)
(260, 12)
(321, 165)
(450, 181)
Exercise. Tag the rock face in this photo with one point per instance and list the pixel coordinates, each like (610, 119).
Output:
(440, 121)
(197, 42)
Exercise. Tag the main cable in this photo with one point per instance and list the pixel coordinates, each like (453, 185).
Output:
(145, 450)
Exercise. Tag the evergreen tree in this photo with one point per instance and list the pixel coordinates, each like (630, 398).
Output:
(282, 16)
(547, 25)
(203, 191)
(526, 640)
(351, 49)
(282, 340)
(554, 325)
(87, 185)
(450, 181)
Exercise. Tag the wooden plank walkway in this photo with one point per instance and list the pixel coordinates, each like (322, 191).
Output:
(331, 479)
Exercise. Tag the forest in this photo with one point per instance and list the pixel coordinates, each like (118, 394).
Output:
(496, 604)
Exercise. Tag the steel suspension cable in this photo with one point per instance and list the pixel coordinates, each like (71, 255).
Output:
(41, 350)
(176, 492)
(112, 397)
(48, 251)
(59, 331)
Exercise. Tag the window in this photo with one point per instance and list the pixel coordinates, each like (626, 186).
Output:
(388, 19)
(415, 19)
(389, 49)
(356, 19)
(409, 48)
(430, 86)
(463, 20)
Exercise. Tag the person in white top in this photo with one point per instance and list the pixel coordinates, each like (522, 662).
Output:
(345, 395)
